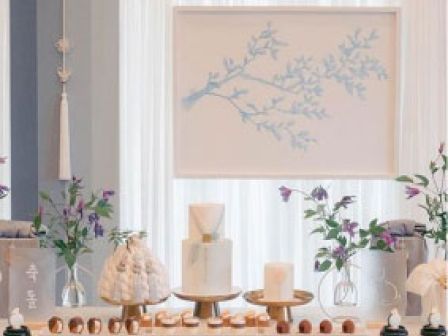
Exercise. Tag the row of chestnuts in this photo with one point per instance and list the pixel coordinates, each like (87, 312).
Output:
(94, 325)
(306, 327)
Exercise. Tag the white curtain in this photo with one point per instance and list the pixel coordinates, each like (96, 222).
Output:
(5, 179)
(260, 225)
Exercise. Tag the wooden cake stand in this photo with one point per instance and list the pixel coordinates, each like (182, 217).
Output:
(131, 309)
(206, 305)
(279, 310)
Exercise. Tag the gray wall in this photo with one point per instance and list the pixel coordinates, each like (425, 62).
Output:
(92, 28)
(24, 149)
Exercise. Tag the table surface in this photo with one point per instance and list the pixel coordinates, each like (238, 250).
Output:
(366, 328)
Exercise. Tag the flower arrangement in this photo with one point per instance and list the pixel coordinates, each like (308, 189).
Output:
(74, 222)
(345, 234)
(434, 191)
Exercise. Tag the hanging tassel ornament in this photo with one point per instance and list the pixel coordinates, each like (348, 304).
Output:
(63, 47)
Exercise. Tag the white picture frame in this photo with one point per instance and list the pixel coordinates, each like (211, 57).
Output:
(334, 126)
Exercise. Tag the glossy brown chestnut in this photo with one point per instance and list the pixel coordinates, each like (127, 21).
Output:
(305, 327)
(76, 325)
(94, 326)
(283, 327)
(55, 325)
(114, 325)
(132, 326)
(326, 327)
(348, 327)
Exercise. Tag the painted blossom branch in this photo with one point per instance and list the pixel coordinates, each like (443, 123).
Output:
(301, 81)
(261, 118)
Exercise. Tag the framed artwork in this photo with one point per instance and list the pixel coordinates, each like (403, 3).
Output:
(282, 92)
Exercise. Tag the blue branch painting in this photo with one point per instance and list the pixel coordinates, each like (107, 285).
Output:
(297, 91)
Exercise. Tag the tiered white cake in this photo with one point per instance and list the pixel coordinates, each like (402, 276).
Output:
(206, 255)
(278, 281)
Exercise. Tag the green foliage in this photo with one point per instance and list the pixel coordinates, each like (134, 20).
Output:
(432, 189)
(118, 237)
(404, 178)
(71, 223)
(344, 235)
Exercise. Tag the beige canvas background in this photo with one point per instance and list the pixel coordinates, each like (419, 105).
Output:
(358, 138)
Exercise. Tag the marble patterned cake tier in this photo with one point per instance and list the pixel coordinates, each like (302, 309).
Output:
(207, 267)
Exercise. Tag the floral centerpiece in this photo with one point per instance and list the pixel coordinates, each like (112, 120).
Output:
(429, 280)
(344, 235)
(71, 225)
(433, 190)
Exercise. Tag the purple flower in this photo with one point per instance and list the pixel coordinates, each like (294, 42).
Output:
(107, 194)
(285, 192)
(80, 207)
(319, 193)
(412, 191)
(76, 180)
(388, 238)
(4, 190)
(344, 202)
(349, 227)
(94, 218)
(316, 265)
(441, 147)
(66, 212)
(340, 252)
(98, 229)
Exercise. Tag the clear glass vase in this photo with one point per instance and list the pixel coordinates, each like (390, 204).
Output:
(73, 293)
(441, 251)
(345, 291)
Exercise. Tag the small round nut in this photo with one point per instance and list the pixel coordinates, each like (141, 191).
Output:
(94, 326)
(283, 327)
(55, 325)
(326, 327)
(76, 325)
(132, 325)
(115, 325)
(348, 327)
(305, 327)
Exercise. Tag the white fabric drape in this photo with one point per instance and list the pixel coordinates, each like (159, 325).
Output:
(5, 179)
(260, 225)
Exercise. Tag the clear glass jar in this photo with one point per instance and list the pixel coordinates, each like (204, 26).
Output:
(345, 292)
(73, 293)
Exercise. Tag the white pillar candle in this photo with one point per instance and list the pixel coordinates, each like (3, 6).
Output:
(278, 281)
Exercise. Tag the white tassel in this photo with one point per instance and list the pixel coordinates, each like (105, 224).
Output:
(65, 171)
